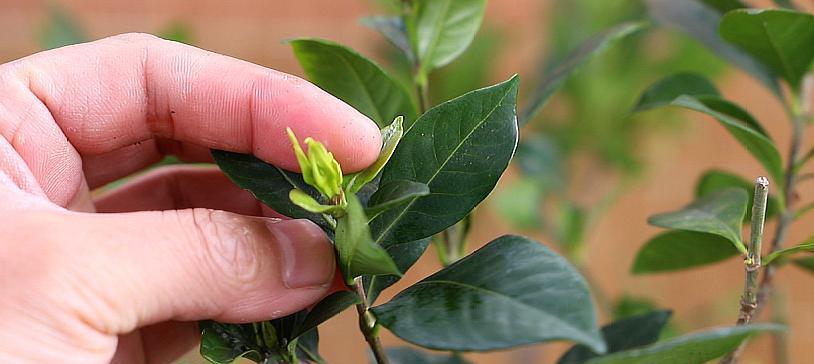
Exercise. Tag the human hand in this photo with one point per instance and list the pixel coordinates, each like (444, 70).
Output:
(126, 284)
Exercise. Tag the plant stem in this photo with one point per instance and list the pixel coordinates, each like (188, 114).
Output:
(367, 323)
(799, 119)
(749, 302)
(422, 90)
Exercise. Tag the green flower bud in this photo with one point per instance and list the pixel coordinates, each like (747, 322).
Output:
(319, 168)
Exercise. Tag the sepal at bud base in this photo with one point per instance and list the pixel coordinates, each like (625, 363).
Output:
(308, 203)
(319, 168)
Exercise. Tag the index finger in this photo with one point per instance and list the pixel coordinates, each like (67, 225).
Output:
(123, 90)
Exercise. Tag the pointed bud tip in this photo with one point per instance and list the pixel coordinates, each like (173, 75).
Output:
(762, 181)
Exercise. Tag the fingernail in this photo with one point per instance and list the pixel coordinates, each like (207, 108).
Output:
(307, 254)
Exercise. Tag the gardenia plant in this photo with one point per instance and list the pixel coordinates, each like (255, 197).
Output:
(436, 165)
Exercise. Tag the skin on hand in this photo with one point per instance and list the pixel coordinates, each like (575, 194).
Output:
(122, 278)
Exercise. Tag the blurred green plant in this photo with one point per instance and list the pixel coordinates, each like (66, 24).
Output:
(771, 45)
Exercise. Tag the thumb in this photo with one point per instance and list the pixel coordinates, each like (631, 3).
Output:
(148, 267)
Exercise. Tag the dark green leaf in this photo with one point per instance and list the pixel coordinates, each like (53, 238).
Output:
(720, 213)
(442, 29)
(784, 253)
(511, 292)
(723, 6)
(459, 149)
(622, 335)
(267, 183)
(745, 130)
(61, 30)
(394, 193)
(693, 348)
(806, 263)
(664, 91)
(405, 255)
(406, 355)
(676, 250)
(394, 30)
(329, 307)
(354, 79)
(308, 347)
(629, 306)
(701, 23)
(715, 180)
(557, 76)
(224, 343)
(781, 39)
(520, 203)
(358, 253)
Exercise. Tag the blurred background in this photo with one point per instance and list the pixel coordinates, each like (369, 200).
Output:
(602, 170)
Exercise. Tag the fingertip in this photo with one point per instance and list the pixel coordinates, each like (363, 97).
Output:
(283, 101)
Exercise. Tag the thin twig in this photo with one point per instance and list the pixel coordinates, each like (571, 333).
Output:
(788, 214)
(749, 301)
(367, 324)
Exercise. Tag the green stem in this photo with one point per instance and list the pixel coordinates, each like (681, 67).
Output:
(422, 90)
(799, 117)
(367, 323)
(749, 301)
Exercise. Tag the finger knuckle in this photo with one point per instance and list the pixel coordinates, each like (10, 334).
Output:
(232, 248)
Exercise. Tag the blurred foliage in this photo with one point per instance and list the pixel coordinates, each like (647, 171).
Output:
(60, 29)
(588, 122)
(598, 97)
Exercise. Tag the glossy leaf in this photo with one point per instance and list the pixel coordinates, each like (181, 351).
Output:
(329, 307)
(700, 22)
(784, 253)
(806, 263)
(354, 79)
(394, 30)
(394, 193)
(358, 254)
(459, 149)
(442, 29)
(559, 74)
(745, 130)
(406, 355)
(225, 343)
(405, 255)
(664, 91)
(528, 294)
(720, 213)
(780, 39)
(693, 348)
(308, 347)
(629, 333)
(715, 180)
(269, 184)
(678, 249)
